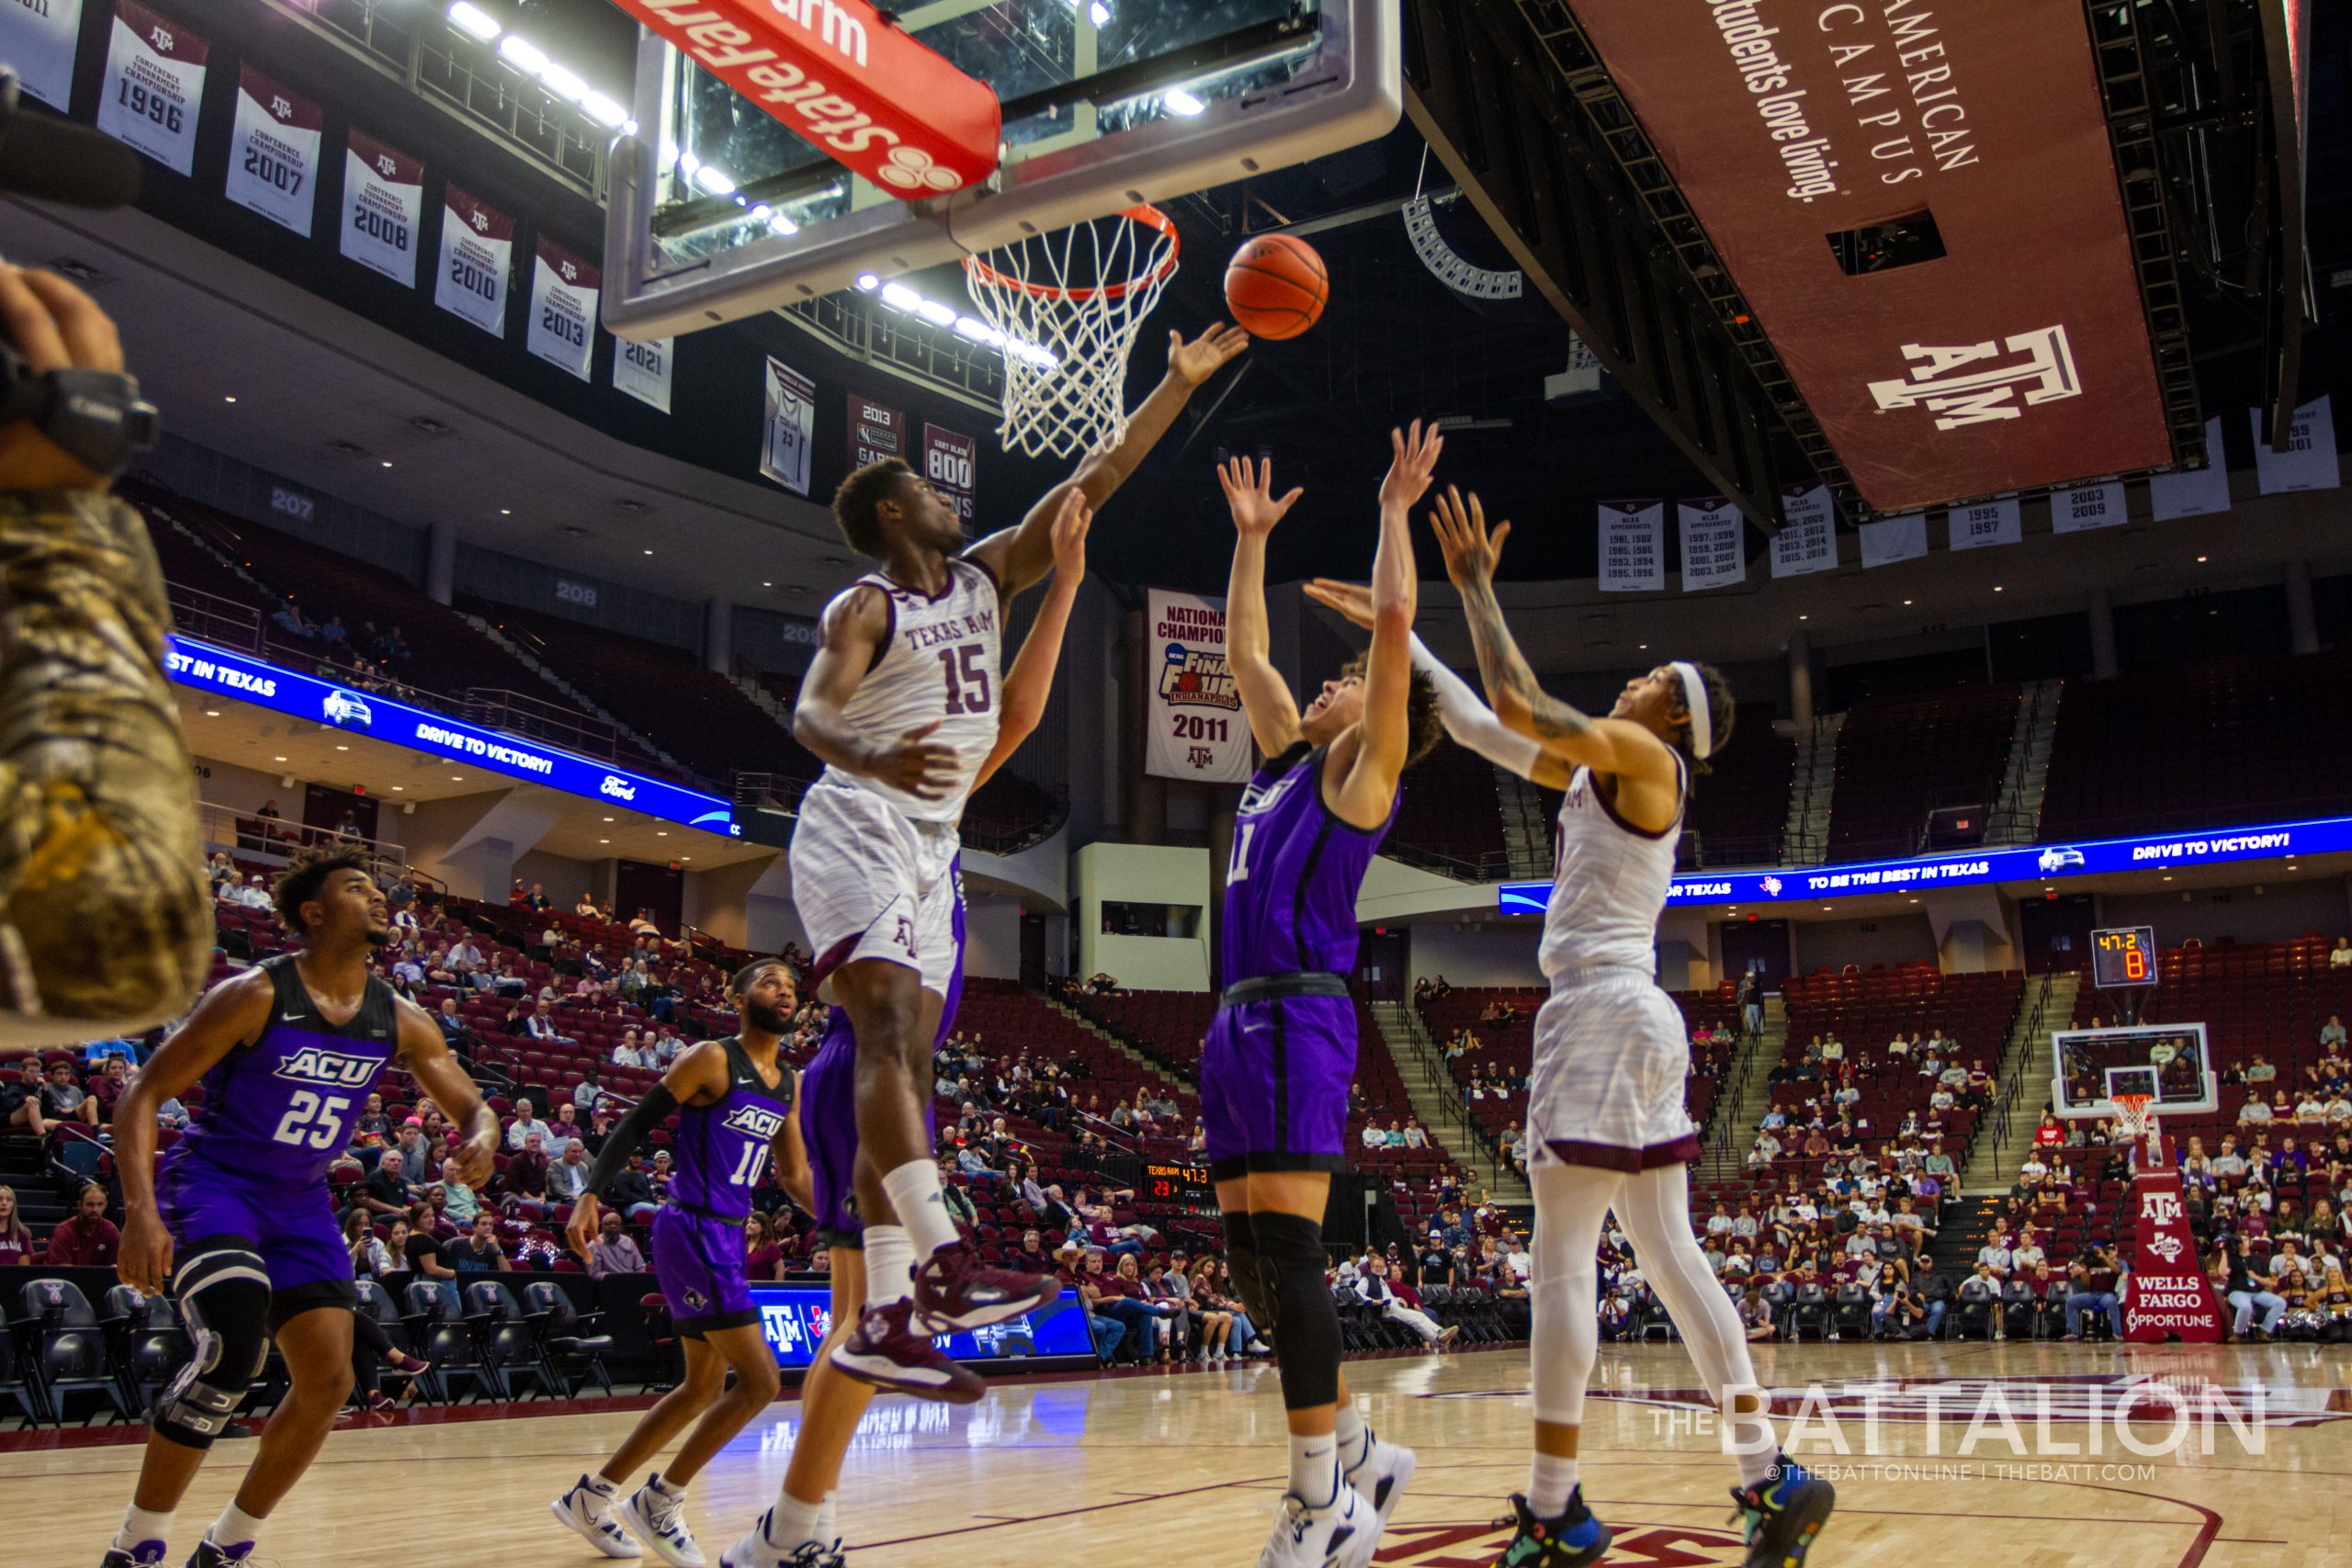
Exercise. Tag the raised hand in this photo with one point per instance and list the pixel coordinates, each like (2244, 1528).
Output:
(1070, 524)
(1353, 600)
(915, 763)
(1471, 553)
(1414, 460)
(1203, 358)
(1248, 492)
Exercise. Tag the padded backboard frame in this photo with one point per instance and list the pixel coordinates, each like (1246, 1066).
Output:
(2086, 1060)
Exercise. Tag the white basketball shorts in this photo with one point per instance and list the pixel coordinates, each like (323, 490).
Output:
(1607, 1089)
(872, 883)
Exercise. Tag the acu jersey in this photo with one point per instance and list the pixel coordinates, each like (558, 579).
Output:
(1290, 894)
(1609, 883)
(280, 1110)
(939, 660)
(722, 1148)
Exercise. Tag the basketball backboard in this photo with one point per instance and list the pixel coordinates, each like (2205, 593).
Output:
(2168, 1060)
(718, 211)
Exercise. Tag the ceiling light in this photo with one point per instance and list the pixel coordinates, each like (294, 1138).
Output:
(603, 112)
(522, 54)
(456, 778)
(1804, 617)
(387, 462)
(400, 789)
(977, 330)
(628, 128)
(212, 713)
(475, 21)
(603, 840)
(714, 179)
(868, 282)
(342, 748)
(898, 297)
(1099, 14)
(688, 162)
(506, 512)
(937, 314)
(2201, 560)
(1907, 600)
(1996, 588)
(230, 398)
(661, 832)
(780, 224)
(564, 83)
(1176, 100)
(648, 552)
(277, 759)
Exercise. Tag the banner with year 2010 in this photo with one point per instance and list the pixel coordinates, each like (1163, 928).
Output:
(477, 252)
(1194, 726)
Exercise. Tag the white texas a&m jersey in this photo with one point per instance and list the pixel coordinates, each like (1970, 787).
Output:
(1609, 883)
(939, 661)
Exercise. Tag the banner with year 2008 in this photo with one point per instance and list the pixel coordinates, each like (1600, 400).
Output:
(1194, 728)
(383, 206)
(154, 86)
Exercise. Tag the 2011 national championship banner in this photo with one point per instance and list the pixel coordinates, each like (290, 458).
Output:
(1194, 726)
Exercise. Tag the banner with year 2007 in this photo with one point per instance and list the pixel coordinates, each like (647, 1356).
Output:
(1194, 726)
(273, 152)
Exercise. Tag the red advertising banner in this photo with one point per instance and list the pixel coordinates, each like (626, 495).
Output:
(2019, 356)
(2167, 1291)
(853, 85)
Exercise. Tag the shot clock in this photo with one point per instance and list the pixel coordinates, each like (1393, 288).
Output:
(2123, 956)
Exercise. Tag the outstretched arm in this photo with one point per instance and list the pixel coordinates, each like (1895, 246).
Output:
(426, 1056)
(1384, 739)
(1266, 698)
(1021, 556)
(1031, 680)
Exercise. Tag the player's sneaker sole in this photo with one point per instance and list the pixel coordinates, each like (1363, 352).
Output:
(601, 1533)
(950, 1384)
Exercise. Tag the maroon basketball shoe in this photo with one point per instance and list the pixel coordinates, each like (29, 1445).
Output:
(955, 1292)
(885, 1352)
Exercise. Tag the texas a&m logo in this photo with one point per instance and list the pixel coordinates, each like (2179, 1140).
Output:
(1971, 383)
(905, 935)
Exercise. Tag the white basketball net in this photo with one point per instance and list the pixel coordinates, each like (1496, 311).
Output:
(1066, 343)
(2132, 1117)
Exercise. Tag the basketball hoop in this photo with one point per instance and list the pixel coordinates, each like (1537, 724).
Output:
(1068, 306)
(2133, 1120)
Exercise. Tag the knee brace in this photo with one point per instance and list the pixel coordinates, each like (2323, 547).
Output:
(1250, 1281)
(224, 1305)
(1290, 1251)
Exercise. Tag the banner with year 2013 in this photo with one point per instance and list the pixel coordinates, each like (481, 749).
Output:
(1194, 726)
(562, 329)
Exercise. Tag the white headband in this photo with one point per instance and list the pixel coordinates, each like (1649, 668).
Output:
(1694, 697)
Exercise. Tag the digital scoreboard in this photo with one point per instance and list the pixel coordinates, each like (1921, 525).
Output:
(1186, 1184)
(2123, 956)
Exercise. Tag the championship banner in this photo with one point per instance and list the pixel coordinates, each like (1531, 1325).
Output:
(477, 252)
(1194, 726)
(2199, 493)
(1896, 539)
(39, 38)
(1632, 546)
(564, 287)
(2092, 506)
(273, 152)
(1986, 523)
(1714, 543)
(642, 369)
(951, 462)
(154, 86)
(2309, 462)
(1808, 538)
(875, 431)
(791, 427)
(383, 206)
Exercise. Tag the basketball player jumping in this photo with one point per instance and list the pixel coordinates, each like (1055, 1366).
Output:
(1281, 1050)
(236, 1216)
(1605, 1109)
(900, 703)
(733, 1098)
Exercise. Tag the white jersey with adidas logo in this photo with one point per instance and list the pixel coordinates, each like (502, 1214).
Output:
(940, 661)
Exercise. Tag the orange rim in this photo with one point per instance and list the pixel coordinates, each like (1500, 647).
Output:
(1150, 217)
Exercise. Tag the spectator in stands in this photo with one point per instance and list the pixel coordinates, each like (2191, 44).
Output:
(2093, 1281)
(541, 1027)
(478, 1252)
(614, 1251)
(526, 1176)
(2259, 1070)
(63, 1098)
(288, 619)
(86, 1238)
(2331, 1034)
(567, 1177)
(525, 1126)
(388, 1190)
(2340, 955)
(1372, 1287)
(16, 1236)
(763, 1253)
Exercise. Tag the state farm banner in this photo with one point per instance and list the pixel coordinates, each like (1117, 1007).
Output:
(1808, 538)
(2017, 358)
(642, 369)
(2309, 462)
(2199, 491)
(1985, 524)
(1632, 546)
(39, 38)
(1896, 539)
(2091, 506)
(383, 206)
(1714, 543)
(154, 86)
(875, 431)
(273, 152)
(477, 253)
(951, 462)
(790, 400)
(1194, 726)
(564, 290)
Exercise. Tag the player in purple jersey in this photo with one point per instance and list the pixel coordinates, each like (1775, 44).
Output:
(1281, 1050)
(733, 1099)
(237, 1220)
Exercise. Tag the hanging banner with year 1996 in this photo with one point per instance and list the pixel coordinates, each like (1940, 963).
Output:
(1194, 726)
(477, 253)
(951, 462)
(563, 323)
(39, 38)
(383, 206)
(791, 400)
(154, 86)
(1632, 546)
(273, 152)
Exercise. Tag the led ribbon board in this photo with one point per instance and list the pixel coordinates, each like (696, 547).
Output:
(794, 1319)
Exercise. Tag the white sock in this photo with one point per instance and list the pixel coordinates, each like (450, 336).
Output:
(1756, 1457)
(792, 1524)
(1549, 1485)
(889, 1265)
(916, 1198)
(1315, 1470)
(138, 1525)
(675, 1494)
(234, 1527)
(1355, 1438)
(828, 1528)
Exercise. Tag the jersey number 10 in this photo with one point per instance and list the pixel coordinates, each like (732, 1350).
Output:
(749, 1168)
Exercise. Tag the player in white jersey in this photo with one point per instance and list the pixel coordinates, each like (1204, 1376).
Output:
(901, 704)
(1605, 1120)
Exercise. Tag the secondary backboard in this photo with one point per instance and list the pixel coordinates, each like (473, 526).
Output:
(2171, 1058)
(718, 211)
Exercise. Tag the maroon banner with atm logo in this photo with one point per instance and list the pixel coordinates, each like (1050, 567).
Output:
(2019, 358)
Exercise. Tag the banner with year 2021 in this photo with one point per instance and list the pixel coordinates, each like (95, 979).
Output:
(39, 38)
(1194, 726)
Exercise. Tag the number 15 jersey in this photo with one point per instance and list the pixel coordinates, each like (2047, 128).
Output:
(938, 661)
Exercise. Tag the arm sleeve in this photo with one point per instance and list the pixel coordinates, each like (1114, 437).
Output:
(643, 1117)
(1472, 723)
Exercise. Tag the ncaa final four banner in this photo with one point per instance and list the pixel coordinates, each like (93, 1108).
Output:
(791, 427)
(383, 206)
(154, 86)
(562, 328)
(477, 251)
(951, 462)
(39, 38)
(273, 152)
(1194, 726)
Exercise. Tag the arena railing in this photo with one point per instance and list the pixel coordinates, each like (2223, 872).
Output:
(208, 617)
(274, 839)
(516, 712)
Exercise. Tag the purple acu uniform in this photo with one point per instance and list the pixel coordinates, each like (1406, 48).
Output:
(1281, 1051)
(250, 1173)
(721, 1156)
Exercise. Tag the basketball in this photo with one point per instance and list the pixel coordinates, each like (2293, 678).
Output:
(1275, 287)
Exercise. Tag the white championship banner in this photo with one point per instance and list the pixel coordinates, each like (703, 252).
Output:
(1632, 546)
(1714, 543)
(383, 206)
(2199, 493)
(154, 86)
(477, 253)
(642, 369)
(2309, 462)
(1986, 523)
(2091, 506)
(1194, 726)
(39, 38)
(1896, 539)
(273, 152)
(564, 288)
(951, 461)
(1808, 538)
(791, 427)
